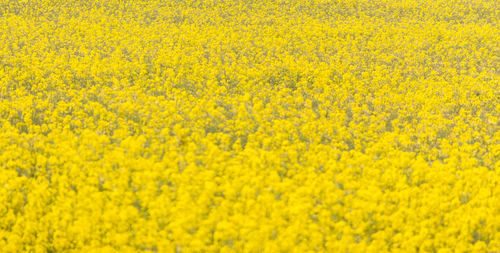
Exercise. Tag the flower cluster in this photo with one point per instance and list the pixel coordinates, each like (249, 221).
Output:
(249, 126)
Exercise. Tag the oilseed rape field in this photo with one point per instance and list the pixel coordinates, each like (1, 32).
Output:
(249, 126)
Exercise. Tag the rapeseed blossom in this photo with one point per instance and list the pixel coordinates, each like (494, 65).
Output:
(249, 126)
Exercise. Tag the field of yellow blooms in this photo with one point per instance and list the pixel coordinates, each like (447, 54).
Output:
(249, 126)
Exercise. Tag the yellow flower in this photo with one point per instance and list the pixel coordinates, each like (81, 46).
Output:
(208, 126)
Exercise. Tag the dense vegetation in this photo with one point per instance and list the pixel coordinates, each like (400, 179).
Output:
(249, 126)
